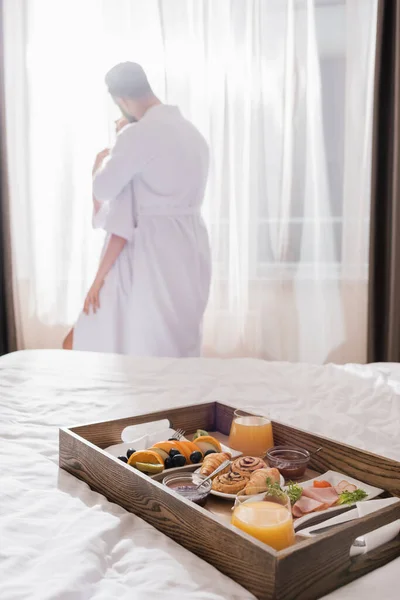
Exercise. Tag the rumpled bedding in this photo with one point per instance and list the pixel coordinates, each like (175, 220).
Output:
(59, 540)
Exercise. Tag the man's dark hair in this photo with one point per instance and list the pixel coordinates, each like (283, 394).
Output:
(128, 80)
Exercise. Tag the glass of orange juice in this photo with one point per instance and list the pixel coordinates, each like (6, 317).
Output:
(267, 517)
(251, 434)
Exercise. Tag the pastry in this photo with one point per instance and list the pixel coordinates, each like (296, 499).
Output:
(212, 462)
(230, 483)
(247, 464)
(259, 481)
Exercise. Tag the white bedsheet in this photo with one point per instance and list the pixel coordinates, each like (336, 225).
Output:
(58, 539)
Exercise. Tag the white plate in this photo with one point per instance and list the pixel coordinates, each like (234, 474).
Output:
(334, 478)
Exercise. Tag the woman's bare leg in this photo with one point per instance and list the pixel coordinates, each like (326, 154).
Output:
(68, 340)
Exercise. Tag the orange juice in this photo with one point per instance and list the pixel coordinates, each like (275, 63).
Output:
(269, 522)
(251, 435)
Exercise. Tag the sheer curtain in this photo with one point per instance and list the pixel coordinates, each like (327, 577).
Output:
(282, 90)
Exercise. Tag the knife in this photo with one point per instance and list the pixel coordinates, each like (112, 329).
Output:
(344, 518)
(320, 518)
(328, 527)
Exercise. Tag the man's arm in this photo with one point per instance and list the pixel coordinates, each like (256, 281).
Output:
(111, 174)
(114, 248)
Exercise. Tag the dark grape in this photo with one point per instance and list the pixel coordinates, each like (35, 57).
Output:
(123, 458)
(168, 463)
(178, 460)
(209, 452)
(173, 452)
(196, 457)
(130, 452)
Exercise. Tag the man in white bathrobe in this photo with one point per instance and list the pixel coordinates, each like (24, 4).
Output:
(152, 287)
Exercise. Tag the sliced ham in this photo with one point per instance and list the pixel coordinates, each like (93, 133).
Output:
(327, 497)
(345, 486)
(305, 505)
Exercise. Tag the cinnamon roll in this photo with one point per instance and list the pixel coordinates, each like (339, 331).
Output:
(230, 483)
(246, 465)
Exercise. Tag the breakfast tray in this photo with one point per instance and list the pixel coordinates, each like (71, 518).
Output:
(309, 569)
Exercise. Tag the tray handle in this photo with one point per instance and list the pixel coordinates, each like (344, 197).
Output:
(188, 418)
(344, 535)
(134, 432)
(323, 563)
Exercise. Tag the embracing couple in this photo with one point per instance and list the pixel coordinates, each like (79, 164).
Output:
(152, 285)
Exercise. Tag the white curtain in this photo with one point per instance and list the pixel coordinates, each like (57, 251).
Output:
(282, 90)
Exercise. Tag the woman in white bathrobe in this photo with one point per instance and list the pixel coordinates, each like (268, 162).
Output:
(152, 300)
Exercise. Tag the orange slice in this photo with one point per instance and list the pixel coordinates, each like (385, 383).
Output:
(183, 449)
(207, 440)
(166, 446)
(164, 455)
(189, 447)
(145, 456)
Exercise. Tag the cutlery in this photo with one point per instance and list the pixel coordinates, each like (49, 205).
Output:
(221, 467)
(178, 435)
(322, 517)
(332, 522)
(316, 452)
(328, 527)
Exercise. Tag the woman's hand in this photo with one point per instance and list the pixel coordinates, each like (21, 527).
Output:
(92, 298)
(96, 204)
(99, 159)
(120, 124)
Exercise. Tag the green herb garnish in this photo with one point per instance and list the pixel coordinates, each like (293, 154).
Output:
(274, 489)
(294, 491)
(352, 497)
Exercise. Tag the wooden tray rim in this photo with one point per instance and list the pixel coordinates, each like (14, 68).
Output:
(77, 427)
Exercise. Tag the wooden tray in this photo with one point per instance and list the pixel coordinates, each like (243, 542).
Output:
(309, 569)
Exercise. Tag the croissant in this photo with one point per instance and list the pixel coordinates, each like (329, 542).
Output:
(212, 461)
(258, 481)
(247, 464)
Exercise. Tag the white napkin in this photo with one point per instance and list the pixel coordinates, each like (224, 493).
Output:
(135, 432)
(140, 443)
(380, 536)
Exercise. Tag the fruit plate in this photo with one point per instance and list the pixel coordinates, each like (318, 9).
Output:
(335, 478)
(146, 441)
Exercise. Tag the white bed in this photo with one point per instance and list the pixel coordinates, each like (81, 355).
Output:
(60, 540)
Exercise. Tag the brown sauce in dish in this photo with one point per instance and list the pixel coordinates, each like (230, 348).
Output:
(289, 465)
(290, 472)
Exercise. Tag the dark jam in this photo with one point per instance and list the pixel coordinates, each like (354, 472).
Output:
(290, 472)
(198, 496)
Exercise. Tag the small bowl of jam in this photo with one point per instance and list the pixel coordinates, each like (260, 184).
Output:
(291, 462)
(185, 484)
